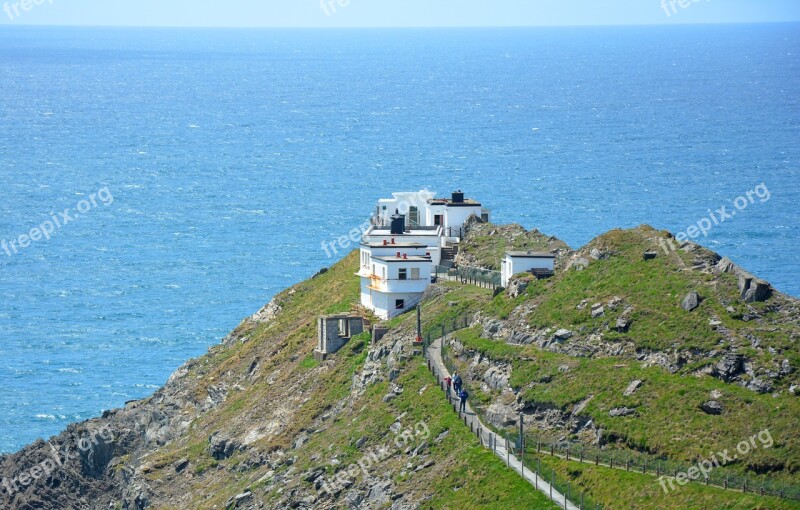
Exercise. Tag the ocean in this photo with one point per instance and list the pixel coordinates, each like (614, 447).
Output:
(201, 170)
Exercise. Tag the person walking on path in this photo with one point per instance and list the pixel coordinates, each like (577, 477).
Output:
(447, 384)
(463, 395)
(457, 383)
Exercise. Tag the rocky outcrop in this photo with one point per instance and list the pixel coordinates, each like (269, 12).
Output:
(691, 301)
(711, 407)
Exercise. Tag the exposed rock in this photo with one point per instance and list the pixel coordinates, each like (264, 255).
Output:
(729, 367)
(753, 289)
(691, 301)
(726, 265)
(598, 310)
(623, 324)
(181, 465)
(650, 255)
(497, 377)
(240, 500)
(267, 313)
(491, 328)
(715, 394)
(580, 264)
(632, 387)
(562, 334)
(621, 411)
(711, 407)
(221, 446)
(759, 386)
(786, 367)
(516, 287)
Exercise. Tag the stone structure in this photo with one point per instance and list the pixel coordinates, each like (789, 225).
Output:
(334, 331)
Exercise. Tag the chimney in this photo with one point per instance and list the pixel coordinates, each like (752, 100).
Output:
(398, 225)
(458, 197)
(398, 254)
(393, 240)
(405, 256)
(385, 242)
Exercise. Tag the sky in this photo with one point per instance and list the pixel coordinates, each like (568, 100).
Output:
(391, 13)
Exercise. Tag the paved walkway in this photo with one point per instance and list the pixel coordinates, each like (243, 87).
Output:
(489, 438)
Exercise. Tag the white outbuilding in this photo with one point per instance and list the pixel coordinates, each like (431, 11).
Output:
(542, 264)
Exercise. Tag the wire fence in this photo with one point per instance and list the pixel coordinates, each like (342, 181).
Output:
(481, 277)
(628, 460)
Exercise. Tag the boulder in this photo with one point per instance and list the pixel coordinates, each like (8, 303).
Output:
(632, 387)
(621, 411)
(598, 311)
(753, 289)
(711, 407)
(691, 301)
(562, 334)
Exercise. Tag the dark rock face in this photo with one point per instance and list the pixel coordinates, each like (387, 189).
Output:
(711, 407)
(729, 367)
(221, 447)
(650, 255)
(753, 289)
(691, 301)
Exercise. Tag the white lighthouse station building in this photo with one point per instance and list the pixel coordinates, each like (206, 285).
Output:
(411, 234)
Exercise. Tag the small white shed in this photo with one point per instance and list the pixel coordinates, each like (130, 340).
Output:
(516, 262)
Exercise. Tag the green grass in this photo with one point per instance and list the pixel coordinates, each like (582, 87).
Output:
(621, 490)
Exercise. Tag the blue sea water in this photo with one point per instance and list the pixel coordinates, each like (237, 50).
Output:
(232, 155)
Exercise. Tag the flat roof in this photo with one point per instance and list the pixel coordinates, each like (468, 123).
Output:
(468, 202)
(390, 245)
(416, 231)
(531, 254)
(415, 258)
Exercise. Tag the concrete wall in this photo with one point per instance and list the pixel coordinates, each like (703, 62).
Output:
(334, 331)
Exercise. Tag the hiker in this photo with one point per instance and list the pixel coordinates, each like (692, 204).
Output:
(447, 383)
(457, 383)
(463, 396)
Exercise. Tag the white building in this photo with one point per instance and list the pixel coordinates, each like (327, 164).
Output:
(423, 209)
(393, 277)
(516, 262)
(410, 234)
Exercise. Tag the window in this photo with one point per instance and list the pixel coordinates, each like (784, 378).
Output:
(399, 304)
(403, 274)
(413, 215)
(415, 273)
(344, 328)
